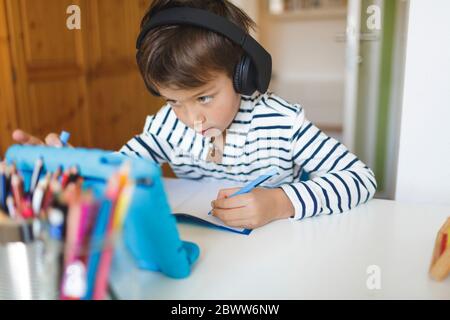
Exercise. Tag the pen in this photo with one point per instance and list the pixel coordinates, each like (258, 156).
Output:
(64, 137)
(27, 211)
(10, 206)
(17, 192)
(38, 195)
(65, 177)
(35, 175)
(3, 190)
(253, 184)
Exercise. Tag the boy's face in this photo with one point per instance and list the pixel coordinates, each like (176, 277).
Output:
(212, 106)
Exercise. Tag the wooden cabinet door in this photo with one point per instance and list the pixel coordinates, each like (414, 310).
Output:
(49, 69)
(8, 119)
(84, 81)
(118, 99)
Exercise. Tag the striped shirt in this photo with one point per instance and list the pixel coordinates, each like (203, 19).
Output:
(267, 132)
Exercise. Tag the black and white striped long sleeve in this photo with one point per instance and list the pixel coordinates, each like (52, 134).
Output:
(338, 180)
(148, 145)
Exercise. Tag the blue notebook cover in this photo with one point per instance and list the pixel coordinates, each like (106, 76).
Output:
(186, 217)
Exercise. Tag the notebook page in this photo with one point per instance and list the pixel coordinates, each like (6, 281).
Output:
(180, 190)
(194, 198)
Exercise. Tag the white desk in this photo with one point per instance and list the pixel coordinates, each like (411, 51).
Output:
(319, 258)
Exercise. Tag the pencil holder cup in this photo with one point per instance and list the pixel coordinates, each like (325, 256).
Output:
(38, 269)
(28, 270)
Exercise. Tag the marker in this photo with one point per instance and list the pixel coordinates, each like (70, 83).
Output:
(56, 223)
(27, 211)
(17, 192)
(99, 232)
(65, 177)
(10, 206)
(64, 137)
(122, 205)
(8, 173)
(73, 176)
(36, 174)
(53, 190)
(3, 189)
(38, 195)
(251, 185)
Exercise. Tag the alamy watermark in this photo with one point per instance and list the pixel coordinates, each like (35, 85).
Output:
(373, 281)
(73, 21)
(373, 22)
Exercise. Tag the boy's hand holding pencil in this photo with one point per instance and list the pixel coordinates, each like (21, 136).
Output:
(253, 209)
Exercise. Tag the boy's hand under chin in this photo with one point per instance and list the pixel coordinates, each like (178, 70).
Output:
(252, 210)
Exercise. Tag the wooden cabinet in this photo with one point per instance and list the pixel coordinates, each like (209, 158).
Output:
(84, 81)
(8, 118)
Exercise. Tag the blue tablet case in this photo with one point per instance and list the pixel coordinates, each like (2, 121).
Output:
(150, 231)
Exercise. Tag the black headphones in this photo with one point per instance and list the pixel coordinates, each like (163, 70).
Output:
(252, 72)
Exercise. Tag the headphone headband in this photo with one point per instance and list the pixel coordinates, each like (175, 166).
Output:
(210, 21)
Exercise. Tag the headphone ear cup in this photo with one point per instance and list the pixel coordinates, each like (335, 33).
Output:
(244, 77)
(237, 76)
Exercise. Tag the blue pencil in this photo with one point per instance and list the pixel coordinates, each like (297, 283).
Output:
(96, 244)
(253, 184)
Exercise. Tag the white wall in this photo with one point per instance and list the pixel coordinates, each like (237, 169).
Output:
(308, 62)
(424, 155)
(309, 65)
(251, 8)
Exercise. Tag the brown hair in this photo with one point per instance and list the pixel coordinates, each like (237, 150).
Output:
(184, 57)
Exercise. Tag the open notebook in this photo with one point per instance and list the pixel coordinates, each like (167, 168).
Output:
(191, 200)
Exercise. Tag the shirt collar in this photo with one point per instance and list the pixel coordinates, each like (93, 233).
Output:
(197, 145)
(238, 131)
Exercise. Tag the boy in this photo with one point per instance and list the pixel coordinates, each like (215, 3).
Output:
(210, 129)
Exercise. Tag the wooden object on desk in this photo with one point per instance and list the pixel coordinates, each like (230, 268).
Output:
(440, 263)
